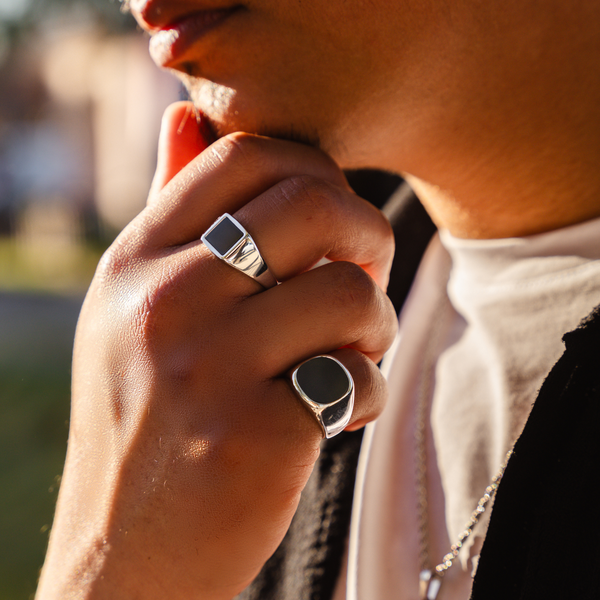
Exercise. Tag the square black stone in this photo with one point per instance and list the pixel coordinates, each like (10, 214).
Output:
(224, 235)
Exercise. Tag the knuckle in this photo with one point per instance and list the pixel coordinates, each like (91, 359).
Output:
(126, 253)
(363, 373)
(370, 392)
(239, 147)
(149, 295)
(387, 240)
(306, 191)
(154, 303)
(373, 315)
(387, 321)
(115, 261)
(356, 289)
(389, 314)
(373, 395)
(308, 198)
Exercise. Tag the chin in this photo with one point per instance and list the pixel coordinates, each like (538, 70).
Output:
(229, 111)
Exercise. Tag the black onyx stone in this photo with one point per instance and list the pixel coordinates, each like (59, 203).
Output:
(224, 235)
(323, 380)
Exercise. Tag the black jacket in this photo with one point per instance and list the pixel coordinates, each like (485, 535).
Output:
(543, 540)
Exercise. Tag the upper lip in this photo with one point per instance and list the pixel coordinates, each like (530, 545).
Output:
(157, 15)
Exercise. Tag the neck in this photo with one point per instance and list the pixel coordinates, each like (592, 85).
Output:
(510, 147)
(526, 173)
(498, 200)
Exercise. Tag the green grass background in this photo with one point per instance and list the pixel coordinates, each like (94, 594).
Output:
(38, 314)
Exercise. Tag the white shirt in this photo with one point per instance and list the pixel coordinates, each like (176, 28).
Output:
(491, 314)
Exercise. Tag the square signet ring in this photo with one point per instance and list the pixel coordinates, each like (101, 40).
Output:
(227, 239)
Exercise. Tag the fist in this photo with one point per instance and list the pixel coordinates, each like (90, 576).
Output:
(188, 447)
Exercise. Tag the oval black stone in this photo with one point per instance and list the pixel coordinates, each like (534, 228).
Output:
(323, 380)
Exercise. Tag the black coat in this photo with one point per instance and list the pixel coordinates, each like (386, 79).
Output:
(543, 540)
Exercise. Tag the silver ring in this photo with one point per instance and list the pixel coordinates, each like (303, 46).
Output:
(326, 388)
(227, 239)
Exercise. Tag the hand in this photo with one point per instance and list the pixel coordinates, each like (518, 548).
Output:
(188, 449)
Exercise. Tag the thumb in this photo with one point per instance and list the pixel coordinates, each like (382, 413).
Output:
(184, 133)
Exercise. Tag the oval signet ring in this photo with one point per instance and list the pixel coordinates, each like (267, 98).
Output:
(326, 388)
(227, 239)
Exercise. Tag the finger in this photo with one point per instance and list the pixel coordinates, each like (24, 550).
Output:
(230, 173)
(184, 134)
(301, 220)
(330, 307)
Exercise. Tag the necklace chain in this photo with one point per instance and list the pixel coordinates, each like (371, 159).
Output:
(430, 579)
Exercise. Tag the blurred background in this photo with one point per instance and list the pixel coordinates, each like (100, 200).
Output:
(80, 107)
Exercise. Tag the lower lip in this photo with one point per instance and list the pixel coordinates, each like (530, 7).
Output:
(168, 45)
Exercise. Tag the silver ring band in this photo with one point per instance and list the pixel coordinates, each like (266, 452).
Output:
(227, 239)
(326, 388)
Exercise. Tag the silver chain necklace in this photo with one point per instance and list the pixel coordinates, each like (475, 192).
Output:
(430, 575)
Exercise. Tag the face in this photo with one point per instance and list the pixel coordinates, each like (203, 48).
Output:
(314, 70)
(367, 80)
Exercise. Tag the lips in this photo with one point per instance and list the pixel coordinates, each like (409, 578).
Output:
(169, 44)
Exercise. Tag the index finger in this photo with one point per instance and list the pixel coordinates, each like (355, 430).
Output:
(223, 178)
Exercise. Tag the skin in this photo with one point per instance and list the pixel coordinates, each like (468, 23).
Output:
(175, 484)
(467, 97)
(184, 466)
